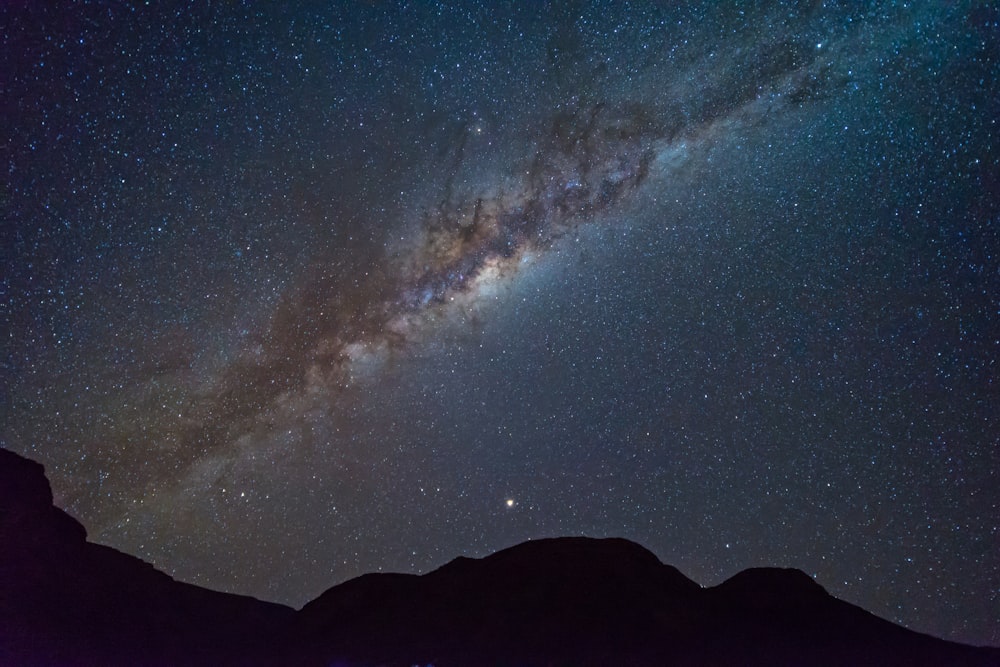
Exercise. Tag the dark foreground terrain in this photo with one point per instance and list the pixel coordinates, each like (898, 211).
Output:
(567, 601)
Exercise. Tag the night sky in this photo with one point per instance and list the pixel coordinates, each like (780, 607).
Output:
(291, 294)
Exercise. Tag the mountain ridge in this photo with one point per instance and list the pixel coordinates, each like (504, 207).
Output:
(566, 600)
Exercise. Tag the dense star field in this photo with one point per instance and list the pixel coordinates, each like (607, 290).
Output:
(297, 293)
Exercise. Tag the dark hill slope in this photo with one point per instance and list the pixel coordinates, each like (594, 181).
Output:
(66, 601)
(591, 601)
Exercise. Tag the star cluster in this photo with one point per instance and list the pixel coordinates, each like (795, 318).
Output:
(300, 292)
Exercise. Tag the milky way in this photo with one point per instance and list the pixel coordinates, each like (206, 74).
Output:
(592, 156)
(589, 157)
(301, 293)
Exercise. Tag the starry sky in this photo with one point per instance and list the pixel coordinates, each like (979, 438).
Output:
(298, 291)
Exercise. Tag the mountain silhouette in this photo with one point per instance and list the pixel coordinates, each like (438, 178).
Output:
(66, 601)
(563, 601)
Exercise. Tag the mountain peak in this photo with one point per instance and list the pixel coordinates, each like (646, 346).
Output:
(22, 482)
(612, 565)
(566, 552)
(28, 519)
(771, 585)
